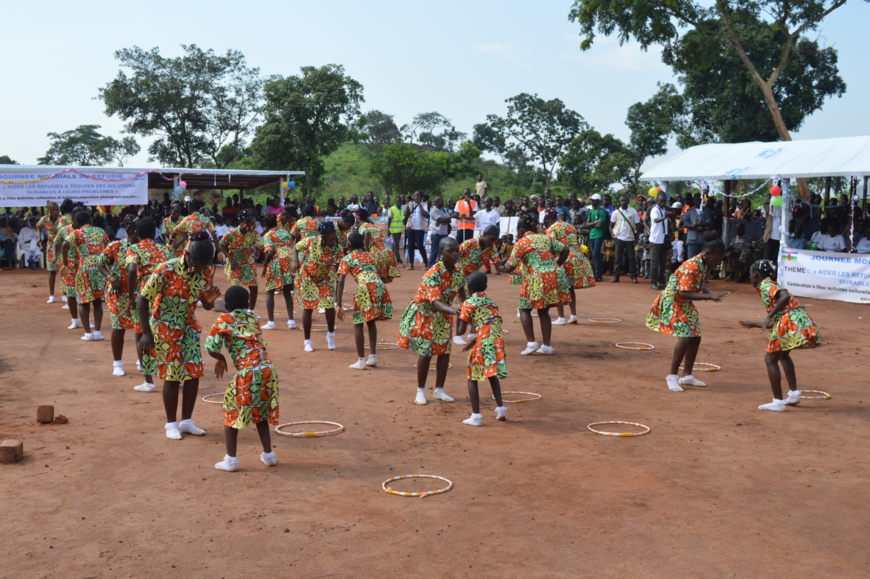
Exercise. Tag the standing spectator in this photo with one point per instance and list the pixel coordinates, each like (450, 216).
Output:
(396, 225)
(488, 216)
(439, 228)
(481, 187)
(696, 220)
(7, 242)
(372, 205)
(353, 205)
(465, 209)
(607, 204)
(772, 232)
(596, 218)
(499, 208)
(417, 214)
(658, 239)
(625, 222)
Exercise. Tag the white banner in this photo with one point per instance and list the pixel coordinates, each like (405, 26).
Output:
(822, 274)
(30, 188)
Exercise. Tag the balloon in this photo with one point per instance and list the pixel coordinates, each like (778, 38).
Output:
(176, 193)
(292, 184)
(182, 184)
(776, 201)
(775, 191)
(284, 185)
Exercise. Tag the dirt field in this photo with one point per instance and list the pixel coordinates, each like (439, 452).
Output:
(718, 489)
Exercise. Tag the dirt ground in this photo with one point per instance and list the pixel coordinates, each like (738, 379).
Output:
(717, 489)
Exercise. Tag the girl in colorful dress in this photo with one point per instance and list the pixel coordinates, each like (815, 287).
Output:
(252, 395)
(171, 236)
(89, 242)
(425, 325)
(278, 245)
(195, 221)
(544, 286)
(371, 302)
(487, 357)
(142, 258)
(307, 226)
(314, 261)
(373, 238)
(68, 259)
(115, 255)
(171, 338)
(478, 252)
(674, 312)
(50, 223)
(791, 328)
(238, 245)
(578, 270)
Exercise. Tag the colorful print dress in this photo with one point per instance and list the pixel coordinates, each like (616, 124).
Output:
(472, 256)
(241, 247)
(117, 301)
(577, 268)
(314, 279)
(793, 328)
(173, 235)
(68, 280)
(385, 260)
(371, 300)
(172, 294)
(486, 359)
(422, 328)
(252, 395)
(304, 228)
(672, 314)
(194, 222)
(52, 227)
(278, 274)
(89, 241)
(544, 283)
(145, 255)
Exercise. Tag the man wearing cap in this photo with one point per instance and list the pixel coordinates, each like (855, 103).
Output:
(596, 218)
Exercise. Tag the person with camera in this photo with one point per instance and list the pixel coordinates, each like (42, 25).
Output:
(624, 223)
(659, 218)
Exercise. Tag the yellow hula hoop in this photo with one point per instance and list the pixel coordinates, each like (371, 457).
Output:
(433, 367)
(634, 346)
(421, 495)
(606, 433)
(207, 396)
(317, 434)
(536, 397)
(604, 320)
(822, 395)
(705, 367)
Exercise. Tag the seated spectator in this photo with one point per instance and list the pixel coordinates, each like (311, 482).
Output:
(832, 240)
(28, 238)
(7, 242)
(863, 245)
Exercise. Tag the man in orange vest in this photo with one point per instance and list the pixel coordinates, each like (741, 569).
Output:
(465, 209)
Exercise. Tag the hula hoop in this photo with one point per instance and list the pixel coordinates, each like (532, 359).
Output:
(705, 367)
(421, 495)
(634, 346)
(604, 320)
(606, 433)
(318, 329)
(386, 346)
(536, 397)
(207, 396)
(317, 434)
(822, 395)
(435, 366)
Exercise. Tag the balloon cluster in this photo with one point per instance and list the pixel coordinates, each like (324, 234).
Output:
(776, 196)
(287, 185)
(654, 191)
(179, 189)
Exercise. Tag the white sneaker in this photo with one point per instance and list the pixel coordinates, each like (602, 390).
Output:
(145, 387)
(74, 325)
(64, 299)
(98, 337)
(269, 326)
(794, 397)
(775, 406)
(546, 350)
(531, 348)
(421, 396)
(51, 300)
(501, 413)
(172, 432)
(88, 337)
(440, 394)
(673, 381)
(559, 322)
(321, 311)
(372, 361)
(534, 313)
(518, 313)
(474, 420)
(65, 307)
(309, 346)
(268, 458)
(138, 366)
(118, 369)
(691, 381)
(291, 324)
(359, 364)
(229, 464)
(188, 427)
(330, 340)
(572, 320)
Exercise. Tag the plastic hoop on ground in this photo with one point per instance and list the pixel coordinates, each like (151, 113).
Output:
(435, 366)
(207, 396)
(420, 495)
(536, 397)
(604, 320)
(316, 434)
(386, 346)
(634, 346)
(821, 395)
(607, 433)
(705, 367)
(318, 329)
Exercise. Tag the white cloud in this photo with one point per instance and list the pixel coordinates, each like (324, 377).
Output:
(607, 54)
(510, 51)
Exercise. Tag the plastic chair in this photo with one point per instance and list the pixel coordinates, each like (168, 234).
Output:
(21, 255)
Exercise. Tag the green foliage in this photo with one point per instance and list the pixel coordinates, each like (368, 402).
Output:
(7, 160)
(594, 161)
(306, 118)
(403, 168)
(378, 128)
(200, 106)
(435, 131)
(85, 146)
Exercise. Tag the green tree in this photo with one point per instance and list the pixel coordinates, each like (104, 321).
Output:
(200, 107)
(306, 118)
(435, 131)
(7, 160)
(401, 168)
(85, 146)
(540, 129)
(378, 128)
(594, 161)
(651, 123)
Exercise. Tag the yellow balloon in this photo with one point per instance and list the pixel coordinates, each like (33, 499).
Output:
(653, 191)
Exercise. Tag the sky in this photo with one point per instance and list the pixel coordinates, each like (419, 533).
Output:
(459, 58)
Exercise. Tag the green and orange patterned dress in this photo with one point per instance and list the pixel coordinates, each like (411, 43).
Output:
(385, 260)
(422, 328)
(145, 255)
(314, 279)
(194, 222)
(673, 314)
(577, 268)
(304, 228)
(472, 256)
(68, 279)
(172, 235)
(89, 242)
(545, 284)
(241, 246)
(793, 328)
(371, 300)
(120, 313)
(52, 260)
(278, 274)
(487, 358)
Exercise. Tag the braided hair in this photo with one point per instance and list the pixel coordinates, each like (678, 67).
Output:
(201, 248)
(765, 267)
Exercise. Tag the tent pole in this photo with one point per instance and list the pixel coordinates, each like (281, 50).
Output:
(827, 197)
(726, 210)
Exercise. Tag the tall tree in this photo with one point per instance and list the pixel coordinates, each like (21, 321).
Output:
(594, 161)
(538, 128)
(85, 146)
(401, 168)
(435, 131)
(7, 160)
(306, 118)
(201, 106)
(651, 123)
(378, 128)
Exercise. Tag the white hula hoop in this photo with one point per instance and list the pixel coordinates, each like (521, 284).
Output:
(317, 434)
(634, 346)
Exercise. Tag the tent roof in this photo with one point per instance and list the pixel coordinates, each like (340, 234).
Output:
(840, 157)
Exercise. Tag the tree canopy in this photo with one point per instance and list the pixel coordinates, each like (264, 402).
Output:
(378, 128)
(85, 146)
(7, 160)
(594, 161)
(404, 168)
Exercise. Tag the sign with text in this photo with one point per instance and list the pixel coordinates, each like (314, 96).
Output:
(31, 188)
(821, 274)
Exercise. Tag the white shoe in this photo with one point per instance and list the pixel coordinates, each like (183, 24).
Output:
(330, 340)
(65, 307)
(172, 432)
(268, 458)
(199, 303)
(531, 348)
(291, 324)
(775, 406)
(118, 369)
(559, 322)
(88, 337)
(794, 397)
(572, 320)
(188, 427)
(309, 346)
(74, 325)
(359, 364)
(534, 313)
(98, 337)
(546, 350)
(501, 413)
(64, 299)
(229, 464)
(321, 311)
(421, 396)
(518, 313)
(145, 387)
(269, 326)
(673, 383)
(372, 361)
(474, 420)
(691, 381)
(51, 300)
(138, 366)
(440, 394)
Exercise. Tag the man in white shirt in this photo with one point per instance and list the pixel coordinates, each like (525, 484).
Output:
(772, 233)
(863, 246)
(832, 240)
(624, 222)
(27, 239)
(658, 240)
(418, 222)
(488, 216)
